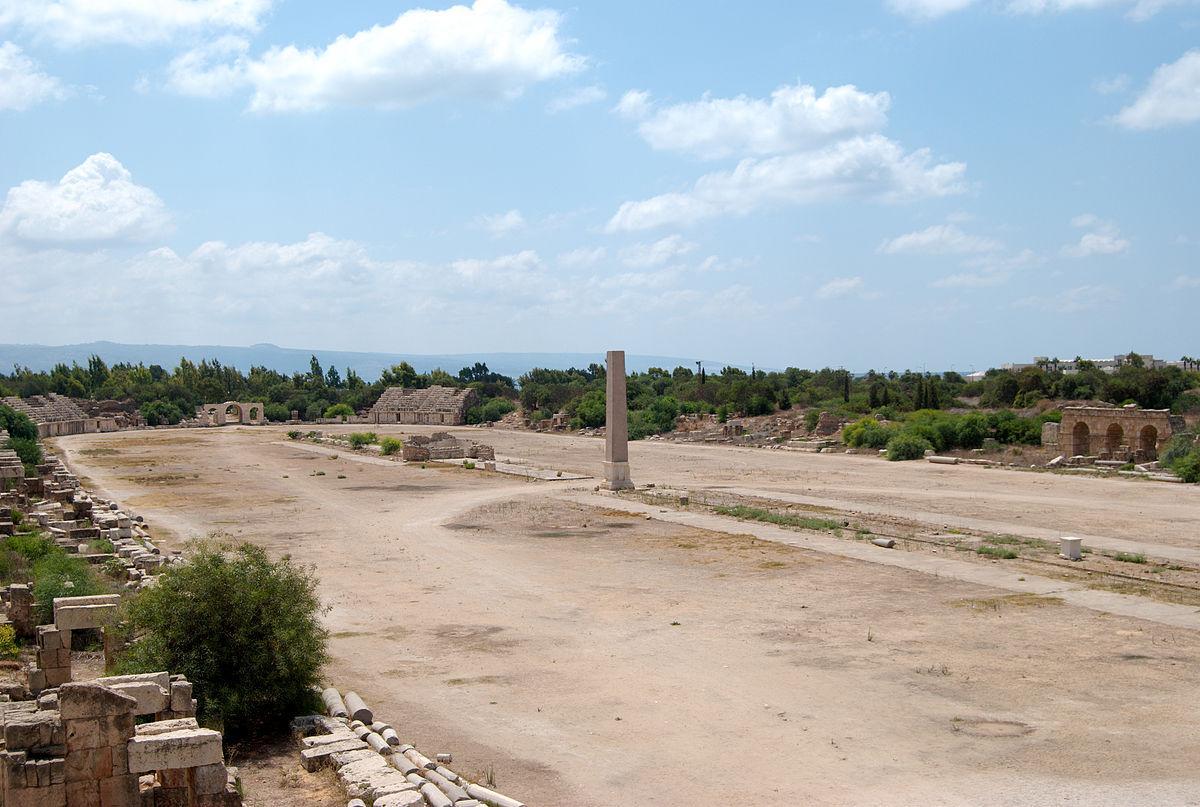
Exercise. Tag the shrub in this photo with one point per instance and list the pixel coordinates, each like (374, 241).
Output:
(1187, 467)
(30, 547)
(971, 430)
(1002, 552)
(810, 419)
(491, 411)
(360, 439)
(390, 445)
(590, 411)
(8, 642)
(114, 568)
(28, 449)
(50, 576)
(469, 465)
(244, 629)
(294, 434)
(17, 424)
(340, 410)
(161, 413)
(868, 433)
(906, 446)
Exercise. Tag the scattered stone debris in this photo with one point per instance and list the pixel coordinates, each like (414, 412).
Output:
(375, 767)
(444, 446)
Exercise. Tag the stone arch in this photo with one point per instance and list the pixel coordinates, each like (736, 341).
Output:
(1148, 442)
(232, 412)
(1114, 438)
(1081, 438)
(255, 412)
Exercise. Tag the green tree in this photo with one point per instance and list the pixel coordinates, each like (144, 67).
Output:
(244, 629)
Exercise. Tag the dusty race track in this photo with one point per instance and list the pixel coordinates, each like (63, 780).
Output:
(594, 657)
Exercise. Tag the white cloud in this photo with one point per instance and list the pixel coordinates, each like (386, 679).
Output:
(1073, 301)
(839, 287)
(583, 256)
(656, 253)
(940, 239)
(502, 224)
(95, 202)
(633, 105)
(205, 71)
(1104, 238)
(1171, 98)
(577, 98)
(489, 51)
(794, 118)
(22, 83)
(1110, 86)
(1138, 9)
(989, 269)
(873, 167)
(71, 23)
(1186, 282)
(927, 9)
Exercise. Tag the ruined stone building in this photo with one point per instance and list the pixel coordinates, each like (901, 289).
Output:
(56, 415)
(249, 414)
(1127, 433)
(436, 406)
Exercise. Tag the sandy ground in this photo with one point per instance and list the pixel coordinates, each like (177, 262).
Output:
(588, 657)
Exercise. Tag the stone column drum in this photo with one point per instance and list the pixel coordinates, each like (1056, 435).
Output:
(616, 425)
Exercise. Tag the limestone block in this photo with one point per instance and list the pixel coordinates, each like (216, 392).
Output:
(211, 778)
(358, 709)
(372, 778)
(33, 730)
(151, 698)
(407, 798)
(79, 617)
(491, 797)
(83, 700)
(187, 748)
(119, 791)
(342, 758)
(88, 764)
(162, 679)
(320, 755)
(165, 726)
(325, 739)
(181, 697)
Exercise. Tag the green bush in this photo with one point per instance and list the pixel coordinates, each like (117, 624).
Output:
(390, 445)
(1187, 467)
(244, 629)
(17, 424)
(161, 413)
(9, 649)
(491, 411)
(50, 576)
(340, 410)
(590, 411)
(868, 433)
(294, 434)
(31, 547)
(29, 450)
(971, 430)
(907, 446)
(810, 419)
(360, 439)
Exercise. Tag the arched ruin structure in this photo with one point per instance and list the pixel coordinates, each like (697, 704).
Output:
(250, 414)
(1127, 433)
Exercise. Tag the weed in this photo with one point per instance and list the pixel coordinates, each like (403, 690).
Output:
(997, 552)
(781, 519)
(1129, 557)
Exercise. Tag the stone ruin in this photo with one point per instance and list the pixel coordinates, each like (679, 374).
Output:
(376, 767)
(247, 414)
(444, 446)
(57, 415)
(1112, 434)
(436, 406)
(80, 746)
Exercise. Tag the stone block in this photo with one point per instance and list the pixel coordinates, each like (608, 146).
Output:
(151, 698)
(181, 696)
(211, 778)
(319, 756)
(83, 700)
(26, 732)
(83, 734)
(88, 764)
(407, 798)
(164, 726)
(187, 748)
(115, 730)
(80, 617)
(119, 791)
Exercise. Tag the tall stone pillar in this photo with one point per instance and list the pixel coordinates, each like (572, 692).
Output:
(616, 425)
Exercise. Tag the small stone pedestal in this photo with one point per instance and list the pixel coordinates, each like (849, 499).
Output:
(1071, 548)
(616, 476)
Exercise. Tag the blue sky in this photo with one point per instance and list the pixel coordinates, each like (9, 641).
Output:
(924, 183)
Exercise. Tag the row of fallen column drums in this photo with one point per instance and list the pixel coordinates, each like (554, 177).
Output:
(439, 786)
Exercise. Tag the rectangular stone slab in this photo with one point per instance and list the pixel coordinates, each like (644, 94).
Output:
(188, 748)
(319, 756)
(78, 617)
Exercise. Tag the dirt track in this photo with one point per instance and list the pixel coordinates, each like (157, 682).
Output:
(486, 617)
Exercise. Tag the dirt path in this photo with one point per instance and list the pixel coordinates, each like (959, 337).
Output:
(592, 657)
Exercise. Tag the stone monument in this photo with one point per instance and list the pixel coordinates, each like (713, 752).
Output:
(616, 425)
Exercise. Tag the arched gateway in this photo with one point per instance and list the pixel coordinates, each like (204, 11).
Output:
(1126, 433)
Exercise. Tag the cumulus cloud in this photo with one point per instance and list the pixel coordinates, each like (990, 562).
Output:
(872, 167)
(502, 224)
(95, 202)
(206, 72)
(1172, 97)
(927, 9)
(1075, 300)
(70, 23)
(583, 256)
(1103, 238)
(633, 105)
(1137, 9)
(582, 96)
(839, 287)
(940, 239)
(656, 253)
(22, 83)
(795, 117)
(490, 50)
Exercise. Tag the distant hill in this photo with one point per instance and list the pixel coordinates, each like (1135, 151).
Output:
(291, 360)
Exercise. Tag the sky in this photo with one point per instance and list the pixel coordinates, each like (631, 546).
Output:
(870, 184)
